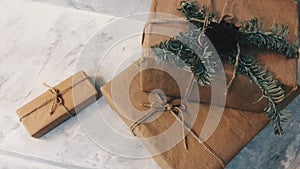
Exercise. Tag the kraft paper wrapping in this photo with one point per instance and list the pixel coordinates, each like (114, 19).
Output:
(234, 130)
(270, 11)
(79, 92)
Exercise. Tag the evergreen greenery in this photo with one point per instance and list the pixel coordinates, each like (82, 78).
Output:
(273, 40)
(187, 51)
(270, 88)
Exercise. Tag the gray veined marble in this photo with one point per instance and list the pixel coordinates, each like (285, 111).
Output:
(109, 7)
(269, 151)
(46, 43)
(41, 43)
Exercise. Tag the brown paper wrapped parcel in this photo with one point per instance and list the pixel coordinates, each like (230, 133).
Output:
(58, 104)
(223, 135)
(269, 11)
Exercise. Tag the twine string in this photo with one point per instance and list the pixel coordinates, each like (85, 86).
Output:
(223, 11)
(56, 100)
(237, 59)
(176, 110)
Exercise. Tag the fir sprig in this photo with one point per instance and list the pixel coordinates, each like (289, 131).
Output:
(271, 89)
(226, 37)
(273, 40)
(194, 14)
(250, 33)
(185, 51)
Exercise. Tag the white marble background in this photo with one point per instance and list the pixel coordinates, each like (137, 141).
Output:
(109, 7)
(40, 41)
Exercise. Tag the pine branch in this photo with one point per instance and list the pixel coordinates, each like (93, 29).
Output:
(273, 40)
(194, 14)
(184, 51)
(187, 52)
(270, 88)
(222, 34)
(250, 32)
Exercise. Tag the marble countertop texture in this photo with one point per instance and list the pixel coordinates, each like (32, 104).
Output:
(46, 41)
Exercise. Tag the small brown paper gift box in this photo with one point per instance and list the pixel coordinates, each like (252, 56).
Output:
(274, 11)
(234, 130)
(58, 104)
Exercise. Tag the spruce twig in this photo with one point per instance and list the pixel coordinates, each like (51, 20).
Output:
(273, 40)
(197, 16)
(270, 88)
(186, 51)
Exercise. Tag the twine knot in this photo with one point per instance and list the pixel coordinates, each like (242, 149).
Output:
(161, 105)
(56, 100)
(176, 110)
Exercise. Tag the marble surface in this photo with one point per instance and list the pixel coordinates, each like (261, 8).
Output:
(109, 7)
(8, 162)
(46, 41)
(41, 43)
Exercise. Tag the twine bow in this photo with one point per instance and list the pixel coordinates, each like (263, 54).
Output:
(56, 99)
(177, 111)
